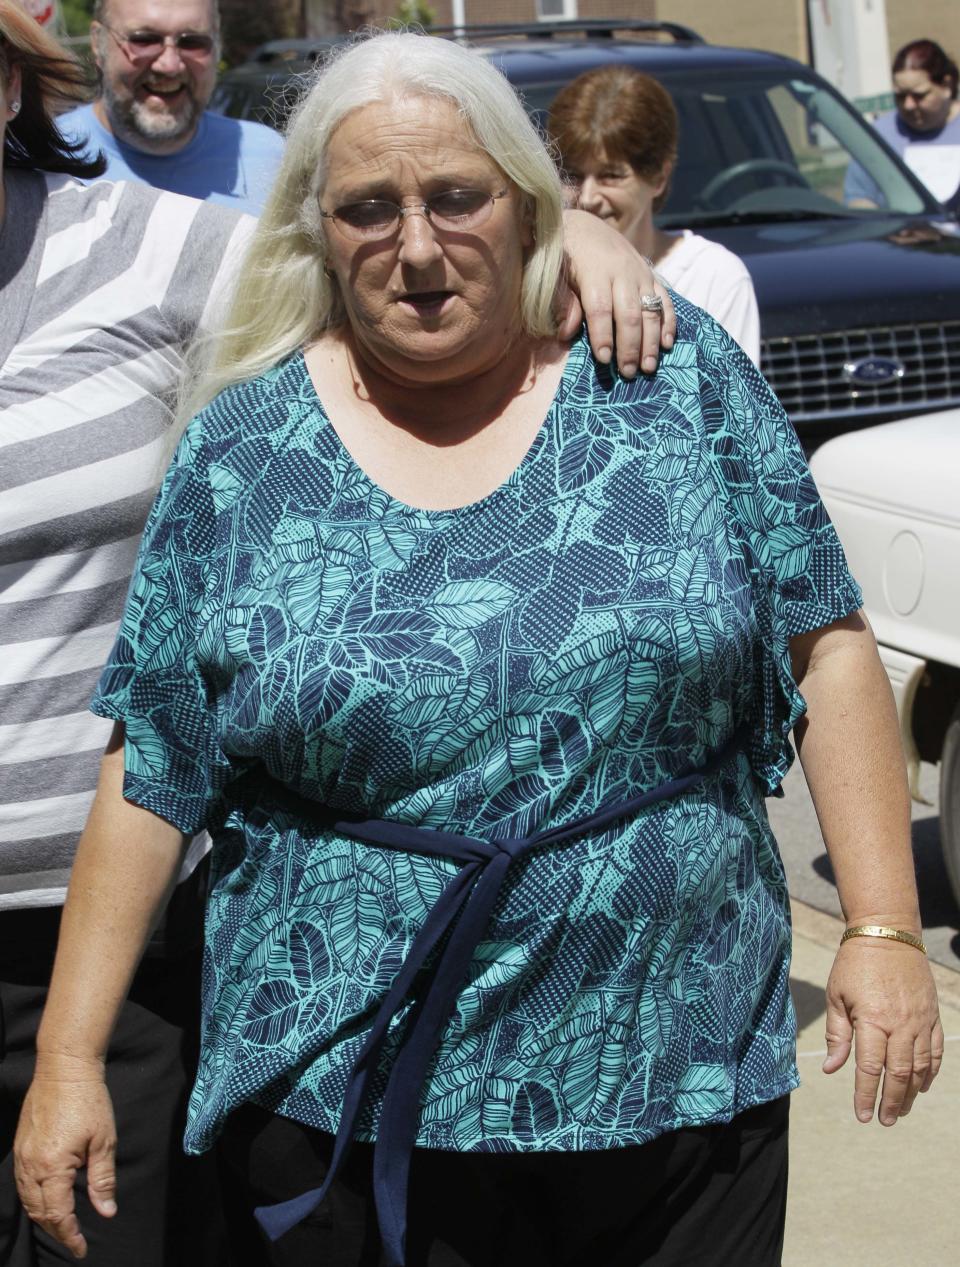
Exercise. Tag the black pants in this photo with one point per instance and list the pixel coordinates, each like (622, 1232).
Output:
(712, 1196)
(169, 1212)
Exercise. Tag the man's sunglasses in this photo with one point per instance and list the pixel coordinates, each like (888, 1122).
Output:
(146, 46)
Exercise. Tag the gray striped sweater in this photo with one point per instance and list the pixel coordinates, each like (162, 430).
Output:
(101, 289)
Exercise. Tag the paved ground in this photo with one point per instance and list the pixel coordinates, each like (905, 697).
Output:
(864, 1195)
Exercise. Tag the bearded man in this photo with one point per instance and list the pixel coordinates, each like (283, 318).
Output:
(157, 62)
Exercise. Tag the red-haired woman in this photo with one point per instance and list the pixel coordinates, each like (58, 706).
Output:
(616, 130)
(925, 127)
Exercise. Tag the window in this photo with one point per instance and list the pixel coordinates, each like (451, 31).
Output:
(554, 10)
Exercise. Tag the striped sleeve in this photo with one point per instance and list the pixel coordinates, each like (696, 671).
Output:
(95, 319)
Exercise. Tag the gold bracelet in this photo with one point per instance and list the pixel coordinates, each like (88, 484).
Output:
(881, 930)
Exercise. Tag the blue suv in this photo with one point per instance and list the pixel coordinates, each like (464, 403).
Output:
(859, 306)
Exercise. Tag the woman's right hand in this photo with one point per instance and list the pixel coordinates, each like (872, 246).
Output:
(66, 1124)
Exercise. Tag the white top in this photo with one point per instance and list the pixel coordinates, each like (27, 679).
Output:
(716, 280)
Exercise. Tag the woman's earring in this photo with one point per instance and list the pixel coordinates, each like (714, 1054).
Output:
(14, 107)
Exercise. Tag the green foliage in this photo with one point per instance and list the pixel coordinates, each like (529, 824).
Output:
(415, 13)
(76, 16)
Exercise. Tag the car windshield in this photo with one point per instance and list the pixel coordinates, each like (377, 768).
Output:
(766, 146)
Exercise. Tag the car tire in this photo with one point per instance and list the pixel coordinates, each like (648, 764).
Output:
(950, 801)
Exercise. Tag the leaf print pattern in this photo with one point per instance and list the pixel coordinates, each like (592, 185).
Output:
(606, 618)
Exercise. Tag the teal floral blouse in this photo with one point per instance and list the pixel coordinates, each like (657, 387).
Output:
(605, 619)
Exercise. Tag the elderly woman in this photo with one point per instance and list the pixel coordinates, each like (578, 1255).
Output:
(102, 290)
(616, 131)
(477, 661)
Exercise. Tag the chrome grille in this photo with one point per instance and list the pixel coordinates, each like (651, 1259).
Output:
(807, 374)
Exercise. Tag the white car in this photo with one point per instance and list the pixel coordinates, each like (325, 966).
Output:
(893, 493)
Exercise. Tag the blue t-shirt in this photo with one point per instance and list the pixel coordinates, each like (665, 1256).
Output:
(230, 161)
(617, 609)
(933, 157)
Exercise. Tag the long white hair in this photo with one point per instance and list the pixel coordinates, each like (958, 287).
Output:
(283, 297)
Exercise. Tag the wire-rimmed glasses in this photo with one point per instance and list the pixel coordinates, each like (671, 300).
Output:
(453, 210)
(147, 45)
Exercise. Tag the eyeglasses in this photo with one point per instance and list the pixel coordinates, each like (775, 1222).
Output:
(146, 46)
(453, 210)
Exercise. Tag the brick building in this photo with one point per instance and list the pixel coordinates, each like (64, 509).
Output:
(781, 25)
(778, 25)
(356, 13)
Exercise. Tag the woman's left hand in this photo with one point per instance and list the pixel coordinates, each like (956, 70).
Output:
(882, 1002)
(608, 277)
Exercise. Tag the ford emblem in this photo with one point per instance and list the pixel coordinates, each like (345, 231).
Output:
(874, 371)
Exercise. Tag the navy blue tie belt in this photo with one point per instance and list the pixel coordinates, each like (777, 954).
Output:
(463, 911)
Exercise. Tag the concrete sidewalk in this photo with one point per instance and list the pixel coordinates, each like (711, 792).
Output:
(861, 1195)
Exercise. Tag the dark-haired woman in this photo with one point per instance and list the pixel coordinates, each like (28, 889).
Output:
(102, 288)
(616, 130)
(924, 129)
